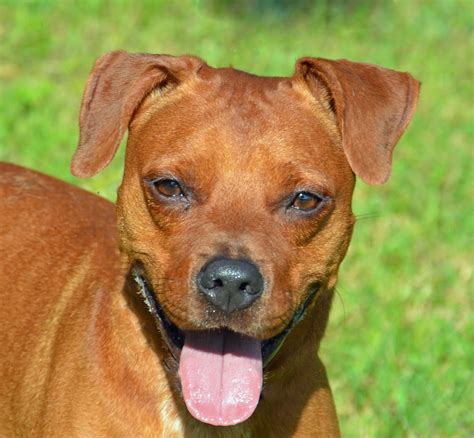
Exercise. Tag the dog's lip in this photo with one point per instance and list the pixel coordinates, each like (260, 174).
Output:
(174, 336)
(171, 334)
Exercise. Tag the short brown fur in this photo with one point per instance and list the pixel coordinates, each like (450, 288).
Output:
(80, 354)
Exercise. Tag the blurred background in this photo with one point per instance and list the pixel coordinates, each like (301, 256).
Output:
(399, 347)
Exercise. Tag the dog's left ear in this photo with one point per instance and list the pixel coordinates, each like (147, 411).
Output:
(372, 106)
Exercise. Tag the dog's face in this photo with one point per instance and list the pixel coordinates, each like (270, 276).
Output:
(240, 168)
(236, 197)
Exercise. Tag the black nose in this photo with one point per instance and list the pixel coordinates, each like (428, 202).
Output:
(230, 284)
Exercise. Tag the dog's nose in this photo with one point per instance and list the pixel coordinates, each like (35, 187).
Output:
(230, 284)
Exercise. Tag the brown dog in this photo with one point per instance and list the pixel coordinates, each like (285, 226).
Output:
(233, 216)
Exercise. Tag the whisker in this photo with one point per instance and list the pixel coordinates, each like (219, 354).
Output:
(167, 278)
(366, 216)
(339, 295)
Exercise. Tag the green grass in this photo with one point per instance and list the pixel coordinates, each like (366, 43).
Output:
(399, 348)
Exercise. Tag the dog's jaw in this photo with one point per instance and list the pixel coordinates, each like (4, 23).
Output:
(221, 372)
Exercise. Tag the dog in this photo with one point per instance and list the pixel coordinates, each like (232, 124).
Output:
(195, 307)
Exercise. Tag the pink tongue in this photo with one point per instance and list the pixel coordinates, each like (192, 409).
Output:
(221, 376)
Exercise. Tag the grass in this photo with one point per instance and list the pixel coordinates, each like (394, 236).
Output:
(399, 347)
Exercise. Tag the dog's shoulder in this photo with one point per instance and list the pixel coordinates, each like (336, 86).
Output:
(51, 202)
(37, 210)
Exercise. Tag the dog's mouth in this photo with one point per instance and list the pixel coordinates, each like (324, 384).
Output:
(221, 372)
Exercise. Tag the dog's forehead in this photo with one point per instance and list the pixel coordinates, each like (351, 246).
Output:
(239, 80)
(251, 97)
(238, 118)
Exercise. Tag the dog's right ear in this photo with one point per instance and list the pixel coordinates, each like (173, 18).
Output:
(115, 88)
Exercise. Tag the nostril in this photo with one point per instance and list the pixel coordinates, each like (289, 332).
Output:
(209, 282)
(245, 287)
(216, 283)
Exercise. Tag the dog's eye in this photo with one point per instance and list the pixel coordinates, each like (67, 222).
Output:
(168, 187)
(305, 201)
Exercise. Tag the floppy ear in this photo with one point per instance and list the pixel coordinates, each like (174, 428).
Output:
(372, 105)
(115, 88)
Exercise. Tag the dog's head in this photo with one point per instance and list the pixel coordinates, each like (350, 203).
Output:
(236, 198)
